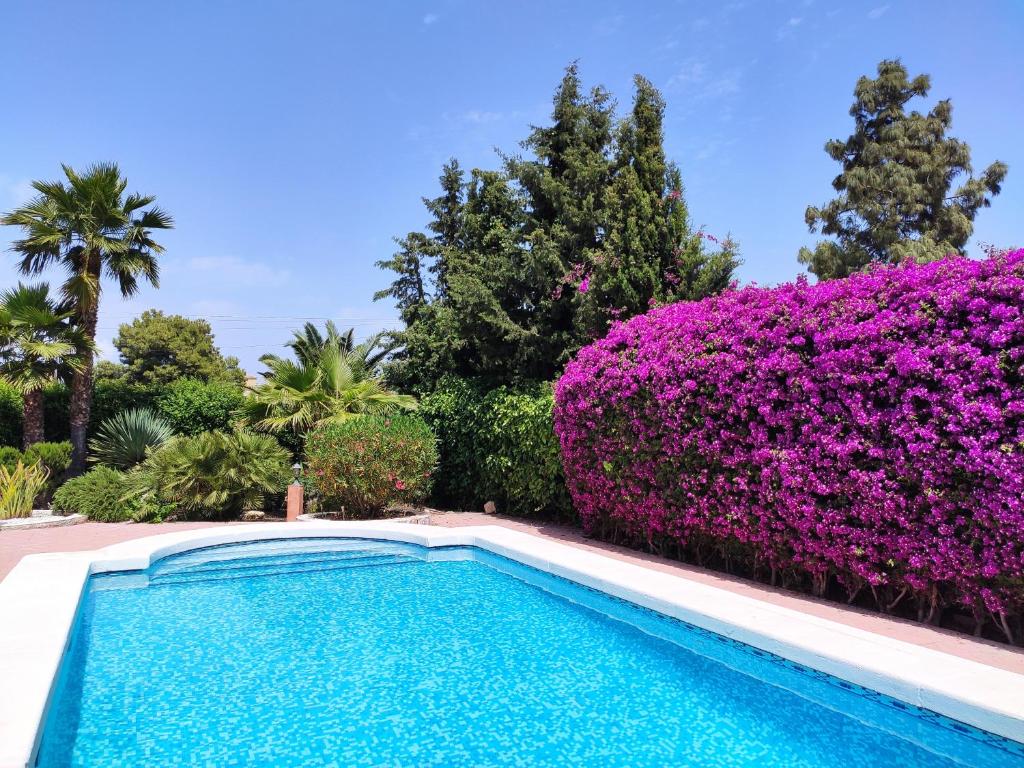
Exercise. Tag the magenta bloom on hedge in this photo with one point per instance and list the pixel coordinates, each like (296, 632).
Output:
(868, 430)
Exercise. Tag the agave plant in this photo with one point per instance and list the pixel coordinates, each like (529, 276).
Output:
(212, 474)
(124, 440)
(336, 386)
(19, 488)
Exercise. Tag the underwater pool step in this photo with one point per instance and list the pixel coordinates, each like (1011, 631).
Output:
(297, 566)
(212, 563)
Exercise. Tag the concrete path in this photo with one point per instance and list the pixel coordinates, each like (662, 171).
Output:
(16, 544)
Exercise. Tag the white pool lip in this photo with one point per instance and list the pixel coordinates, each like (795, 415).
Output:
(40, 596)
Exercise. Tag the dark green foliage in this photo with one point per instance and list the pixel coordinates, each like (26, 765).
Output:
(113, 397)
(192, 406)
(99, 494)
(455, 411)
(157, 349)
(896, 197)
(524, 265)
(10, 415)
(55, 457)
(497, 445)
(125, 440)
(9, 457)
(363, 465)
(212, 474)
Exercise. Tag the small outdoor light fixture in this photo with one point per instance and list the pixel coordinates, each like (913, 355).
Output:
(296, 470)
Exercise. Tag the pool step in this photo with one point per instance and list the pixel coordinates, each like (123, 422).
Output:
(274, 565)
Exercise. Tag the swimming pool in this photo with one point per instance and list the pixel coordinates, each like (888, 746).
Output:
(354, 652)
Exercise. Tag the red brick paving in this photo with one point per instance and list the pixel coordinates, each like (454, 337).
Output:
(16, 544)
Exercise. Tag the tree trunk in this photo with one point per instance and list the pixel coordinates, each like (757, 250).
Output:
(32, 421)
(81, 396)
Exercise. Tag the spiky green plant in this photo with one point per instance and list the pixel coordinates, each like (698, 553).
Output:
(124, 440)
(213, 474)
(19, 488)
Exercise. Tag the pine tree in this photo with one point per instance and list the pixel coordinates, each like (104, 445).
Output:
(525, 265)
(896, 198)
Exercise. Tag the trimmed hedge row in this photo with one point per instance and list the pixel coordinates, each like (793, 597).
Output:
(190, 406)
(863, 436)
(497, 445)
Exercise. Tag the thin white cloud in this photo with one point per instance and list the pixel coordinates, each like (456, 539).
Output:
(234, 271)
(691, 72)
(877, 13)
(788, 27)
(430, 18)
(696, 79)
(609, 25)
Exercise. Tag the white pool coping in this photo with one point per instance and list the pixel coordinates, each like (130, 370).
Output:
(39, 598)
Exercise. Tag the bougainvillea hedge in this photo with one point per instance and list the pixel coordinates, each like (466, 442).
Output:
(863, 435)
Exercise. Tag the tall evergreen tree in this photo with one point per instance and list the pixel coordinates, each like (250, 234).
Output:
(522, 266)
(896, 198)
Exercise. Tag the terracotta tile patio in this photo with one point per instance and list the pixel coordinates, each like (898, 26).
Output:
(16, 544)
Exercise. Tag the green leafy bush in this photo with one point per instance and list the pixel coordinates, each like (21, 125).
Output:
(56, 457)
(497, 445)
(100, 494)
(124, 440)
(522, 462)
(455, 411)
(19, 488)
(9, 457)
(366, 463)
(192, 406)
(212, 474)
(10, 415)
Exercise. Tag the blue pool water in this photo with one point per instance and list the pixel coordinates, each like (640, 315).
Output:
(355, 653)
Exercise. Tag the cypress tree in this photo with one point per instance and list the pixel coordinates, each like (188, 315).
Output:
(896, 199)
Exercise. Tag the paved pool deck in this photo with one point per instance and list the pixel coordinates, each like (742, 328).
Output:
(16, 544)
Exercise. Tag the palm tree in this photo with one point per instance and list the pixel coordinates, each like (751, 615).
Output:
(337, 385)
(38, 346)
(90, 228)
(308, 343)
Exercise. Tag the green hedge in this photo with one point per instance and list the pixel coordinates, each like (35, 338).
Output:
(497, 445)
(10, 415)
(192, 406)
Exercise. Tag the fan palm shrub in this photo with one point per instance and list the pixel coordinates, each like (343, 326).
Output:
(332, 388)
(87, 225)
(38, 346)
(212, 474)
(124, 440)
(19, 488)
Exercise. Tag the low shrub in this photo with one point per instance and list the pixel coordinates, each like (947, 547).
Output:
(363, 464)
(212, 474)
(192, 406)
(10, 457)
(125, 440)
(19, 488)
(56, 457)
(497, 445)
(863, 436)
(101, 494)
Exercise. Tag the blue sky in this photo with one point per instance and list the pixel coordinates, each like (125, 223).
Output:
(292, 140)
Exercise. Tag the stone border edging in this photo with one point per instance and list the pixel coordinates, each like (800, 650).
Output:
(41, 521)
(40, 596)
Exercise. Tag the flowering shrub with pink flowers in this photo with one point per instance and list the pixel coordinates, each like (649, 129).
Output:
(360, 466)
(862, 438)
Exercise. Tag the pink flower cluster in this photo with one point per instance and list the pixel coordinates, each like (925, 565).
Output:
(867, 432)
